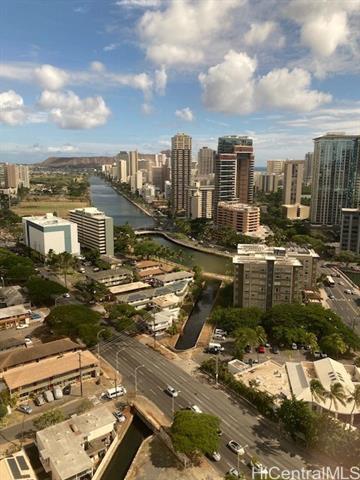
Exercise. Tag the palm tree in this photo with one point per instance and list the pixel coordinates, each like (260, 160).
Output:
(355, 399)
(317, 390)
(336, 394)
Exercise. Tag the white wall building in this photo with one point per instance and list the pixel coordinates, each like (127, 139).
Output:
(47, 232)
(136, 181)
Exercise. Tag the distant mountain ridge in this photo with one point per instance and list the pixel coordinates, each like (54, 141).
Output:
(59, 162)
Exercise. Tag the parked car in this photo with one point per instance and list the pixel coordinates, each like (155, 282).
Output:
(275, 349)
(294, 346)
(114, 392)
(261, 349)
(220, 331)
(233, 472)
(35, 316)
(96, 269)
(236, 447)
(195, 409)
(58, 393)
(258, 468)
(215, 456)
(28, 341)
(21, 326)
(67, 390)
(171, 391)
(39, 400)
(25, 409)
(248, 349)
(319, 354)
(48, 395)
(120, 417)
(218, 336)
(331, 296)
(66, 295)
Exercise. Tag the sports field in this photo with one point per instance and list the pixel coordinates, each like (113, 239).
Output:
(40, 207)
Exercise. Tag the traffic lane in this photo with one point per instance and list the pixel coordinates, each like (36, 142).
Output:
(239, 423)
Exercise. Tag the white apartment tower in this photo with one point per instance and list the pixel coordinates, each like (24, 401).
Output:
(180, 170)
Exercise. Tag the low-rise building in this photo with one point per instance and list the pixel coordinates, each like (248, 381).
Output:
(111, 277)
(71, 450)
(170, 278)
(16, 466)
(145, 297)
(296, 211)
(13, 316)
(64, 369)
(47, 232)
(128, 287)
(10, 296)
(241, 217)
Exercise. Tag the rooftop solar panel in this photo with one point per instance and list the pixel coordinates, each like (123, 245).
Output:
(22, 462)
(14, 468)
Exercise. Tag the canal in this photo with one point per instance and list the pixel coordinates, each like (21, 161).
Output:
(104, 197)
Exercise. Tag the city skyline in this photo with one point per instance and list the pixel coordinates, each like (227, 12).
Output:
(94, 78)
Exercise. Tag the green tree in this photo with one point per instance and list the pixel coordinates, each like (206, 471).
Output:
(355, 400)
(52, 417)
(317, 390)
(195, 434)
(42, 291)
(75, 321)
(63, 262)
(3, 411)
(336, 395)
(298, 420)
(333, 345)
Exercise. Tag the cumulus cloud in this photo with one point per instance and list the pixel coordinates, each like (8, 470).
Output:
(138, 3)
(110, 47)
(12, 110)
(146, 108)
(232, 87)
(259, 32)
(183, 32)
(160, 80)
(97, 67)
(67, 110)
(185, 114)
(66, 148)
(50, 77)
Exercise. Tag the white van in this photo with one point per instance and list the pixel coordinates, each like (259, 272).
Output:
(115, 392)
(57, 393)
(216, 346)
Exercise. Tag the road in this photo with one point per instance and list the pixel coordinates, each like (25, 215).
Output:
(343, 304)
(238, 421)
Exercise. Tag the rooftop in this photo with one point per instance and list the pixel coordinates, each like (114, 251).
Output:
(16, 467)
(150, 293)
(89, 212)
(109, 274)
(147, 264)
(37, 352)
(48, 367)
(150, 272)
(47, 220)
(128, 287)
(11, 295)
(171, 277)
(166, 301)
(13, 311)
(238, 206)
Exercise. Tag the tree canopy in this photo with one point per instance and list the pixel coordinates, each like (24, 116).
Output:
(15, 268)
(52, 417)
(42, 291)
(195, 434)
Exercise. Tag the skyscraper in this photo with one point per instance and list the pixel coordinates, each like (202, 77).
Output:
(293, 179)
(350, 230)
(309, 157)
(336, 177)
(180, 170)
(205, 161)
(234, 170)
(132, 163)
(275, 166)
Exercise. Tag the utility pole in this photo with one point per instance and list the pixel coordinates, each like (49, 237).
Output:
(217, 369)
(136, 369)
(80, 371)
(98, 350)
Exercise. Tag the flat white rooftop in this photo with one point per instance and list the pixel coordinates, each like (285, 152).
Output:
(47, 220)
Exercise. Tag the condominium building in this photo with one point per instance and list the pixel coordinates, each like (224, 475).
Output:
(11, 176)
(336, 177)
(265, 276)
(95, 229)
(132, 163)
(199, 201)
(2, 175)
(234, 170)
(293, 180)
(121, 171)
(309, 260)
(136, 181)
(308, 166)
(206, 161)
(24, 176)
(268, 182)
(47, 232)
(180, 170)
(350, 230)
(275, 166)
(241, 217)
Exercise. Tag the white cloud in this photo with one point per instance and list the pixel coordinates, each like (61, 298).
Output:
(66, 148)
(97, 67)
(139, 3)
(110, 47)
(146, 108)
(259, 32)
(67, 110)
(185, 114)
(185, 32)
(11, 108)
(50, 77)
(231, 87)
(160, 80)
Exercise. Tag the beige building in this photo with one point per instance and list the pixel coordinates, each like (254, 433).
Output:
(309, 260)
(350, 230)
(293, 180)
(296, 211)
(121, 173)
(180, 170)
(268, 182)
(265, 276)
(206, 161)
(199, 202)
(241, 217)
(275, 166)
(133, 160)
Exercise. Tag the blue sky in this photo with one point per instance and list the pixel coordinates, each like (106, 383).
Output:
(95, 77)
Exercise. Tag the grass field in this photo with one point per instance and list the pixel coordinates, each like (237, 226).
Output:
(61, 207)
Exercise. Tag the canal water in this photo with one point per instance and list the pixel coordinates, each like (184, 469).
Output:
(104, 197)
(198, 316)
(126, 451)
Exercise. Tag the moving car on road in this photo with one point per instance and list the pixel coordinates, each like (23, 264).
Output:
(195, 409)
(171, 391)
(215, 456)
(233, 472)
(236, 447)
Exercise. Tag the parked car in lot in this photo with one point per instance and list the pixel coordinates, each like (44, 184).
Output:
(171, 391)
(66, 295)
(294, 346)
(39, 400)
(261, 349)
(67, 390)
(236, 447)
(58, 393)
(25, 409)
(275, 349)
(21, 326)
(215, 456)
(48, 395)
(220, 331)
(120, 417)
(320, 355)
(111, 393)
(218, 336)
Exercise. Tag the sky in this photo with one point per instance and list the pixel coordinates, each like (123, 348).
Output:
(98, 76)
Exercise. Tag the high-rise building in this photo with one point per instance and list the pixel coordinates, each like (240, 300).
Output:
(350, 230)
(24, 176)
(206, 161)
(275, 166)
(2, 175)
(95, 229)
(268, 182)
(133, 162)
(47, 232)
(136, 181)
(336, 177)
(121, 171)
(242, 218)
(265, 276)
(180, 170)
(293, 180)
(199, 201)
(11, 176)
(234, 170)
(309, 157)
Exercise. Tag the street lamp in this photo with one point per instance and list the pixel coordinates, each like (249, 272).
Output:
(216, 369)
(173, 404)
(2, 281)
(117, 362)
(136, 369)
(98, 350)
